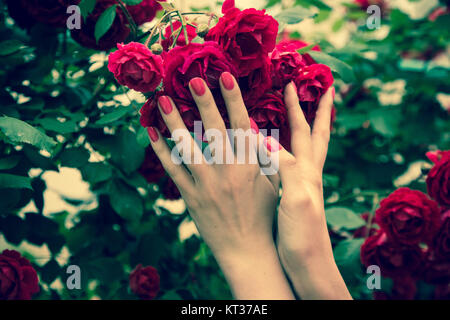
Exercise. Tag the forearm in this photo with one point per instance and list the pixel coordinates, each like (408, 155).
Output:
(317, 278)
(256, 275)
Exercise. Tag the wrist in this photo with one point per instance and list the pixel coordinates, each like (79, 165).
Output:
(255, 273)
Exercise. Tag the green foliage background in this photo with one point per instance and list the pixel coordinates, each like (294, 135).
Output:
(56, 109)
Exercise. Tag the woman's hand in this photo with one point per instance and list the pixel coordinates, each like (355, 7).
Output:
(232, 205)
(303, 242)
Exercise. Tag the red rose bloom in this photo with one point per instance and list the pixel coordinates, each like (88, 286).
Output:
(257, 82)
(207, 61)
(144, 11)
(151, 169)
(392, 258)
(441, 242)
(118, 32)
(408, 216)
(181, 41)
(438, 179)
(151, 116)
(291, 45)
(404, 288)
(285, 65)
(269, 112)
(246, 35)
(144, 282)
(312, 82)
(363, 232)
(50, 12)
(136, 67)
(18, 279)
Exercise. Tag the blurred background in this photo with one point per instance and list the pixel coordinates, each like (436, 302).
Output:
(74, 192)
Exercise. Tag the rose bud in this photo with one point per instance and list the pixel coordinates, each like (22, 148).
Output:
(156, 48)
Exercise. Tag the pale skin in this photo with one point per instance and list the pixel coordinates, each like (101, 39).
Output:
(233, 205)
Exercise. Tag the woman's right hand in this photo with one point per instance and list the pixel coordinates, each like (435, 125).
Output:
(303, 241)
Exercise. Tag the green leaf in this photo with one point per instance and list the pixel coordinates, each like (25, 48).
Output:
(86, 7)
(305, 49)
(15, 182)
(10, 46)
(126, 152)
(385, 121)
(113, 116)
(293, 15)
(52, 124)
(166, 6)
(18, 131)
(105, 22)
(343, 218)
(171, 295)
(125, 201)
(142, 137)
(94, 172)
(336, 65)
(412, 65)
(74, 157)
(347, 256)
(132, 2)
(10, 162)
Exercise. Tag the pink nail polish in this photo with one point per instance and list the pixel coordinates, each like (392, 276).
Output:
(198, 85)
(254, 126)
(271, 144)
(153, 134)
(227, 80)
(165, 104)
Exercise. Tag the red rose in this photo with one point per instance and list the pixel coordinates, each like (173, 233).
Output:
(404, 288)
(392, 258)
(246, 35)
(292, 45)
(441, 242)
(18, 279)
(118, 32)
(285, 65)
(151, 169)
(207, 61)
(144, 282)
(269, 112)
(144, 11)
(312, 82)
(50, 12)
(151, 117)
(408, 216)
(257, 82)
(442, 292)
(436, 271)
(438, 179)
(136, 67)
(181, 41)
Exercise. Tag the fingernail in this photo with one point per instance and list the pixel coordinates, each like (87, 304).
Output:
(227, 80)
(152, 134)
(294, 86)
(198, 85)
(164, 103)
(333, 92)
(254, 126)
(271, 144)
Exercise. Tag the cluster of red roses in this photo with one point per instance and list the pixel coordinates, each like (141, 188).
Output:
(413, 242)
(242, 43)
(54, 13)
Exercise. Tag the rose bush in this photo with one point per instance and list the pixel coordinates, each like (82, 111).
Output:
(64, 111)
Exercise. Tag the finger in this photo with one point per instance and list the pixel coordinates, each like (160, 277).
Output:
(281, 161)
(300, 129)
(321, 130)
(273, 178)
(186, 145)
(237, 112)
(177, 172)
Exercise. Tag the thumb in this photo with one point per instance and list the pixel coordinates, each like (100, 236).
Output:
(276, 159)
